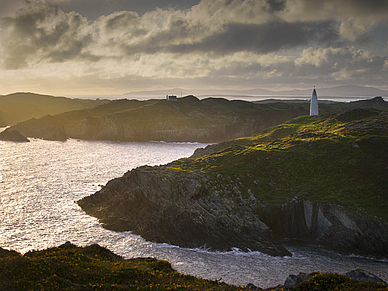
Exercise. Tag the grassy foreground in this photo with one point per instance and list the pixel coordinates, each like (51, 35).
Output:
(69, 267)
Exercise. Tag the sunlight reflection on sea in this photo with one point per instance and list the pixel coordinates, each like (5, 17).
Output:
(41, 180)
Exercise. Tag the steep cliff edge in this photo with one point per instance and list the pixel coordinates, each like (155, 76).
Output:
(321, 180)
(177, 208)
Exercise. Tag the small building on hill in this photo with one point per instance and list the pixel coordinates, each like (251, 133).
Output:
(171, 98)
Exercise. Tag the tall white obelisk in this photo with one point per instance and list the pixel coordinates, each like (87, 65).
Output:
(314, 104)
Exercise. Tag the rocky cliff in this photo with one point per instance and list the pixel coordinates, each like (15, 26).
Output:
(321, 180)
(12, 136)
(177, 208)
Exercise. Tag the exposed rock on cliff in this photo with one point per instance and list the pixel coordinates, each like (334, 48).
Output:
(46, 128)
(354, 280)
(177, 208)
(13, 135)
(302, 180)
(329, 225)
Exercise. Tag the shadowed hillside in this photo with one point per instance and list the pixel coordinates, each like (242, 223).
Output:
(188, 119)
(18, 107)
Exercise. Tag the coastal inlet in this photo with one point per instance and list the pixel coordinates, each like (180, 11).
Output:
(41, 180)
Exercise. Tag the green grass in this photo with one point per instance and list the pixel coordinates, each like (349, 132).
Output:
(94, 268)
(69, 267)
(341, 159)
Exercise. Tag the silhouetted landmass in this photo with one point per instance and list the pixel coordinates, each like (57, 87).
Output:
(19, 107)
(12, 136)
(188, 119)
(3, 123)
(321, 180)
(6, 253)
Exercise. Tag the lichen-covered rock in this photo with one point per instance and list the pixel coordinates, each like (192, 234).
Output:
(362, 275)
(293, 280)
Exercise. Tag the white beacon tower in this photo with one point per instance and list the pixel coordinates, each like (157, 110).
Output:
(314, 104)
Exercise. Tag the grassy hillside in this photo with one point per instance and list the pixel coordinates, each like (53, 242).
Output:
(188, 119)
(68, 267)
(340, 159)
(94, 268)
(18, 107)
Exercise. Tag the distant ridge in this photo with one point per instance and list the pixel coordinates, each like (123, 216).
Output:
(338, 91)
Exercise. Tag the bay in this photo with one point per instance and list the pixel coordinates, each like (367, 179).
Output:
(41, 180)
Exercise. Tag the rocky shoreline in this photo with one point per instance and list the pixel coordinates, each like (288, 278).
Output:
(251, 196)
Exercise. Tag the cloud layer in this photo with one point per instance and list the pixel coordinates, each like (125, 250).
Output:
(217, 43)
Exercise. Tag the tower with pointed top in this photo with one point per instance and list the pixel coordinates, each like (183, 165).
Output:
(314, 104)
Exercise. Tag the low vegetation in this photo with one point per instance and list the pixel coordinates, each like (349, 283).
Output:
(340, 159)
(69, 267)
(332, 281)
(94, 268)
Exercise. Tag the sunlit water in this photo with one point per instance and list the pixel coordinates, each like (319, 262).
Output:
(41, 180)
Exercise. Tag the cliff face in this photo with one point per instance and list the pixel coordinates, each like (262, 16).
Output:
(318, 180)
(329, 225)
(177, 208)
(12, 136)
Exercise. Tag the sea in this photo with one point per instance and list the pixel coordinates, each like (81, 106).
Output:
(41, 181)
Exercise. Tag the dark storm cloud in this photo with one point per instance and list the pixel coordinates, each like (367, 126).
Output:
(126, 21)
(221, 39)
(345, 7)
(44, 34)
(95, 8)
(236, 37)
(276, 5)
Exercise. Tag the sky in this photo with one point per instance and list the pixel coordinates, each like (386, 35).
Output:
(112, 47)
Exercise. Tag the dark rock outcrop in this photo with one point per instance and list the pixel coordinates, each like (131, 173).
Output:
(328, 281)
(253, 287)
(13, 135)
(329, 225)
(293, 280)
(362, 275)
(181, 210)
(161, 209)
(45, 128)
